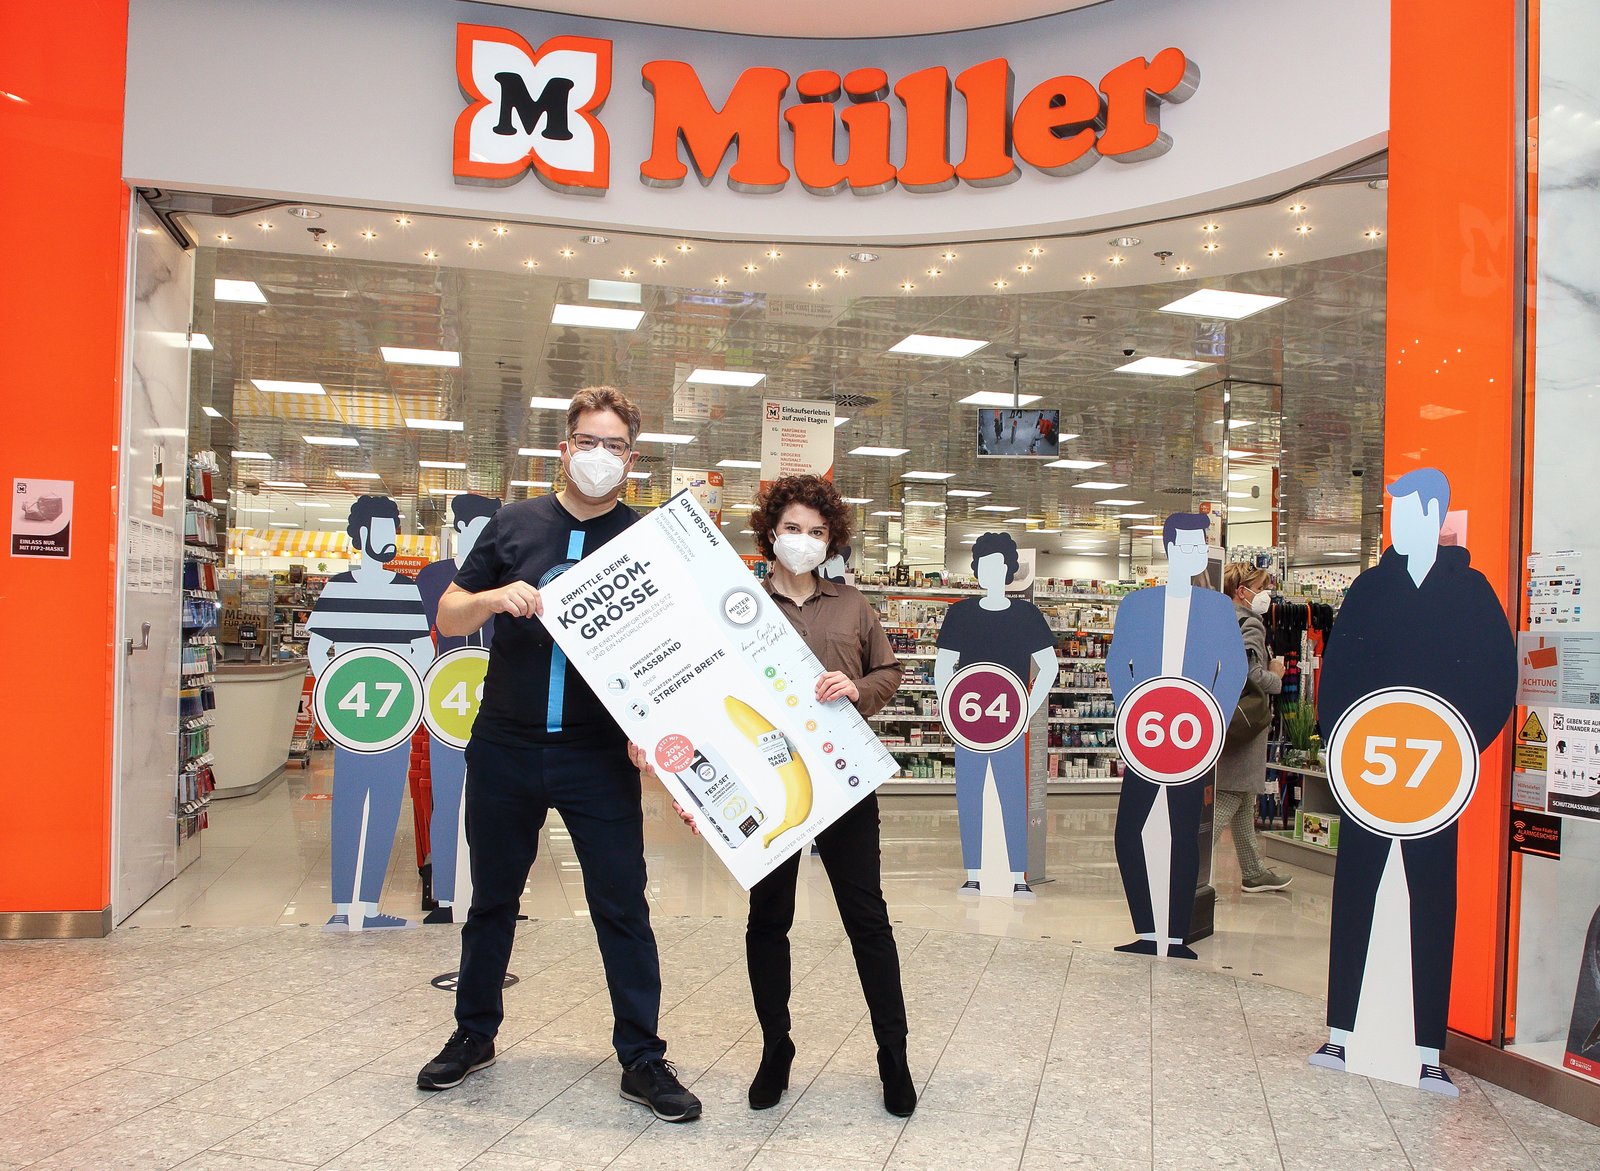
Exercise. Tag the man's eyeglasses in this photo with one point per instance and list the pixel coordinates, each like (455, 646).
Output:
(1195, 548)
(617, 447)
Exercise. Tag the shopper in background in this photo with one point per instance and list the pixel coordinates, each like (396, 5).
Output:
(1242, 770)
(543, 740)
(800, 521)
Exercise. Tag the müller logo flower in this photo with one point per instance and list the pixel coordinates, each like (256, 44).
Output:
(538, 109)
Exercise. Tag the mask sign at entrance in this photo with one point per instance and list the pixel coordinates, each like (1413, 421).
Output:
(1176, 664)
(1420, 674)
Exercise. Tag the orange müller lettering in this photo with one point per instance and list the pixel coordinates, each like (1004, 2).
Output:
(866, 85)
(987, 89)
(1134, 92)
(814, 165)
(926, 97)
(1055, 125)
(867, 165)
(684, 112)
(818, 85)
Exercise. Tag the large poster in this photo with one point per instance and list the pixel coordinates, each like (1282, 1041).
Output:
(796, 439)
(694, 660)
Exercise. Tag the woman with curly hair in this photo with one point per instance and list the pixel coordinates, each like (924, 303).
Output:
(799, 522)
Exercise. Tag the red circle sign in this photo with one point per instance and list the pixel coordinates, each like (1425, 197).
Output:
(1170, 730)
(985, 707)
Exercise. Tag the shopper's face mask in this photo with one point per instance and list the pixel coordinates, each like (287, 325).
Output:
(597, 472)
(800, 552)
(1261, 602)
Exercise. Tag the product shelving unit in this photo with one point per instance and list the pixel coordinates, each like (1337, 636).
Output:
(204, 532)
(1081, 753)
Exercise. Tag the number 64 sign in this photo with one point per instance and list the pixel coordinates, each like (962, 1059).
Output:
(1402, 762)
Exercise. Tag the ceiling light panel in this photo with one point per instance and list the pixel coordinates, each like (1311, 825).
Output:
(1077, 465)
(999, 398)
(932, 346)
(243, 292)
(884, 452)
(663, 437)
(435, 424)
(1163, 367)
(725, 378)
(1219, 303)
(279, 386)
(1100, 485)
(401, 356)
(596, 317)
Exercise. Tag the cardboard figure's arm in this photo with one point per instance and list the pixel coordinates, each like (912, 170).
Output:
(319, 651)
(944, 669)
(1133, 641)
(1044, 678)
(1342, 681)
(1487, 661)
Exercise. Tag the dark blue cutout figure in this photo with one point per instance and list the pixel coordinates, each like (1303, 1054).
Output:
(1421, 618)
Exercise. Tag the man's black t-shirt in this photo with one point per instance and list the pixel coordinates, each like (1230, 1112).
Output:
(532, 695)
(1008, 637)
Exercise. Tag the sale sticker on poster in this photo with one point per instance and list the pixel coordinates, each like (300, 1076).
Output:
(368, 700)
(41, 518)
(701, 670)
(796, 439)
(1402, 762)
(1170, 730)
(1574, 773)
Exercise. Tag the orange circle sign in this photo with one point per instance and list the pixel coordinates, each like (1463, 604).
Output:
(1402, 762)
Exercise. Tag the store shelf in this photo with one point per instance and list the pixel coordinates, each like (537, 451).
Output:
(1082, 720)
(1282, 846)
(1081, 750)
(912, 717)
(897, 591)
(946, 787)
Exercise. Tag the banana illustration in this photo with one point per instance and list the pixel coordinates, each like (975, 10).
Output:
(780, 754)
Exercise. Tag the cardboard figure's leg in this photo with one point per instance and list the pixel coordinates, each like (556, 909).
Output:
(346, 822)
(766, 947)
(386, 787)
(1357, 871)
(1011, 782)
(1431, 878)
(971, 767)
(850, 853)
(449, 769)
(1133, 808)
(1184, 805)
(597, 794)
(505, 808)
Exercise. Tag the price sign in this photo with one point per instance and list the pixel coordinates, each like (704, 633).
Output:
(368, 700)
(1170, 730)
(452, 692)
(984, 707)
(1402, 762)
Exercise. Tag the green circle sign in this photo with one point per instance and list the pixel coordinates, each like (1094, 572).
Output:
(368, 700)
(452, 691)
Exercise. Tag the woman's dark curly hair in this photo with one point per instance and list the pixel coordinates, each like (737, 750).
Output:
(813, 492)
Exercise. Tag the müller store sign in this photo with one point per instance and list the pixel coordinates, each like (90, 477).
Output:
(542, 110)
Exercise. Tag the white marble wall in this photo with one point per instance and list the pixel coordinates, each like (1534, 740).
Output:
(155, 415)
(1558, 900)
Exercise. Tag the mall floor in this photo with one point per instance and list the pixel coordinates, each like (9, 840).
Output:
(221, 1028)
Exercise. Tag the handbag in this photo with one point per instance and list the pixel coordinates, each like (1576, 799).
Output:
(1253, 715)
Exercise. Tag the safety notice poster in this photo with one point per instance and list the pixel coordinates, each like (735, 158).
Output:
(698, 666)
(1574, 755)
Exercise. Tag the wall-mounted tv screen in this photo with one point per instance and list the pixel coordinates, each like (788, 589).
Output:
(1018, 434)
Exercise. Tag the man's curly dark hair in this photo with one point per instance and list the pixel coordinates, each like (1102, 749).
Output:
(813, 492)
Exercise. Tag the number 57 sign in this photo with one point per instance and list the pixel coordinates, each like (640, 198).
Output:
(1403, 762)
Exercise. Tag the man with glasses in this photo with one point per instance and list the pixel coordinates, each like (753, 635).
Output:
(1172, 630)
(543, 740)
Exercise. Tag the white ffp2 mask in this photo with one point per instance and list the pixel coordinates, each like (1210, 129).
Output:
(1261, 602)
(595, 472)
(800, 552)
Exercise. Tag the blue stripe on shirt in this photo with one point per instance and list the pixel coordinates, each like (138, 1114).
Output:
(558, 661)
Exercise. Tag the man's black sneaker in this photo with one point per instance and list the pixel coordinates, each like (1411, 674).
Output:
(462, 1054)
(1330, 1056)
(654, 1082)
(1436, 1081)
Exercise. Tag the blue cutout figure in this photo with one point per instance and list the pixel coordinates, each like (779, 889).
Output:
(368, 606)
(1013, 633)
(447, 764)
(1177, 629)
(1423, 618)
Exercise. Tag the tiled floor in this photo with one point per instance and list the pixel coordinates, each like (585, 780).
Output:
(271, 1047)
(220, 1028)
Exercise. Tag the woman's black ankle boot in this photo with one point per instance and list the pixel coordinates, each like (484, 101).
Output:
(773, 1076)
(899, 1091)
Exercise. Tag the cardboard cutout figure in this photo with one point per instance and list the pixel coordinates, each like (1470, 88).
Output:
(369, 645)
(988, 650)
(1418, 675)
(447, 760)
(1176, 665)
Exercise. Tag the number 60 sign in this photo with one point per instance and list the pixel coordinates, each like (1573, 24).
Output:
(1170, 730)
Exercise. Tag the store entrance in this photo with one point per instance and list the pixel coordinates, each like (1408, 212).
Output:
(1203, 365)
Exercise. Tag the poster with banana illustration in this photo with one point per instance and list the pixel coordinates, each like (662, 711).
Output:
(691, 656)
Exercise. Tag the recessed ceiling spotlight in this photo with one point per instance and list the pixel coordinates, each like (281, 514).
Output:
(659, 261)
(626, 272)
(566, 253)
(1088, 278)
(1001, 284)
(368, 234)
(1183, 266)
(1211, 226)
(1024, 268)
(1036, 251)
(593, 238)
(906, 286)
(947, 255)
(429, 254)
(1275, 254)
(500, 230)
(224, 237)
(751, 267)
(774, 254)
(684, 246)
(841, 271)
(1116, 259)
(403, 220)
(813, 285)
(1303, 229)
(1210, 246)
(305, 213)
(719, 281)
(329, 246)
(266, 225)
(475, 244)
(530, 263)
(1125, 242)
(1372, 233)
(863, 257)
(935, 272)
(1297, 208)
